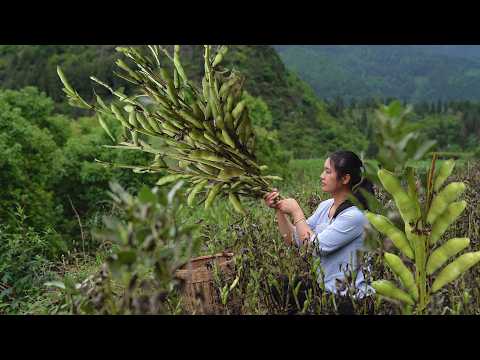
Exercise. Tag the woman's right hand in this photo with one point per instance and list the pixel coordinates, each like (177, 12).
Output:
(270, 197)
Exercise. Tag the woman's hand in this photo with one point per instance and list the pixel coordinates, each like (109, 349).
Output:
(270, 197)
(289, 206)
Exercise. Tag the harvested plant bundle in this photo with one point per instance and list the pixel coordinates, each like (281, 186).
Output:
(205, 132)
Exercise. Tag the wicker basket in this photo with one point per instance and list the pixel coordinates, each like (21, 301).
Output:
(198, 290)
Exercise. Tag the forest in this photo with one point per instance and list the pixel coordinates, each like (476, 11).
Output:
(410, 73)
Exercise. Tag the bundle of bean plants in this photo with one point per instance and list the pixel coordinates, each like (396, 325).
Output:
(199, 133)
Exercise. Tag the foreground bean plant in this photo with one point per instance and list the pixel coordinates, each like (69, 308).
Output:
(426, 220)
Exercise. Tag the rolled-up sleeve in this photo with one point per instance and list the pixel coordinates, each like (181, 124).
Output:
(310, 221)
(344, 229)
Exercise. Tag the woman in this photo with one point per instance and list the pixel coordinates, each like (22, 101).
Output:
(336, 228)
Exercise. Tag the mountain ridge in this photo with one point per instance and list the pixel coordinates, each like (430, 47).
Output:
(410, 72)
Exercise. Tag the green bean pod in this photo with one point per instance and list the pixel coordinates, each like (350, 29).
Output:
(228, 120)
(403, 273)
(225, 88)
(389, 290)
(212, 194)
(172, 94)
(169, 127)
(405, 205)
(178, 64)
(447, 218)
(237, 111)
(440, 256)
(142, 120)
(219, 123)
(443, 173)
(205, 155)
(228, 139)
(197, 188)
(229, 172)
(210, 138)
(175, 123)
(154, 124)
(132, 119)
(205, 89)
(453, 270)
(440, 202)
(207, 169)
(240, 131)
(190, 118)
(169, 179)
(209, 127)
(385, 226)
(120, 117)
(218, 59)
(230, 103)
(236, 203)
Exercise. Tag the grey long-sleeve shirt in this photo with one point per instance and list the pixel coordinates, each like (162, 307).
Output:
(337, 243)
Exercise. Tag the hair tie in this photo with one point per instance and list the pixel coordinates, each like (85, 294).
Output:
(354, 188)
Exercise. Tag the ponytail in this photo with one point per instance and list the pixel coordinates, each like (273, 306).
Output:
(347, 162)
(366, 186)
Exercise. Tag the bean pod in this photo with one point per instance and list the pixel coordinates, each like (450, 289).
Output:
(197, 188)
(212, 194)
(236, 203)
(440, 203)
(169, 179)
(455, 269)
(403, 273)
(440, 256)
(443, 173)
(384, 225)
(448, 217)
(388, 289)
(405, 205)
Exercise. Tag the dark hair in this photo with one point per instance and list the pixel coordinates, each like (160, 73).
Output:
(347, 162)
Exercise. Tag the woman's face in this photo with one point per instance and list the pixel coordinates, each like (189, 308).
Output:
(330, 183)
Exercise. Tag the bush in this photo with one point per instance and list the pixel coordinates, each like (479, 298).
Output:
(30, 160)
(148, 246)
(269, 150)
(25, 258)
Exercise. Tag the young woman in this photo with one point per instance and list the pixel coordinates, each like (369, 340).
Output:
(336, 228)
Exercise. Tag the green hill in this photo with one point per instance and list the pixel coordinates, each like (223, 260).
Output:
(295, 109)
(412, 73)
(35, 65)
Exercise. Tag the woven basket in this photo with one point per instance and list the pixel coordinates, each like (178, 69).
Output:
(198, 290)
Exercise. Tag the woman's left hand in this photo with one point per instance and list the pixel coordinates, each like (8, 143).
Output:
(288, 206)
